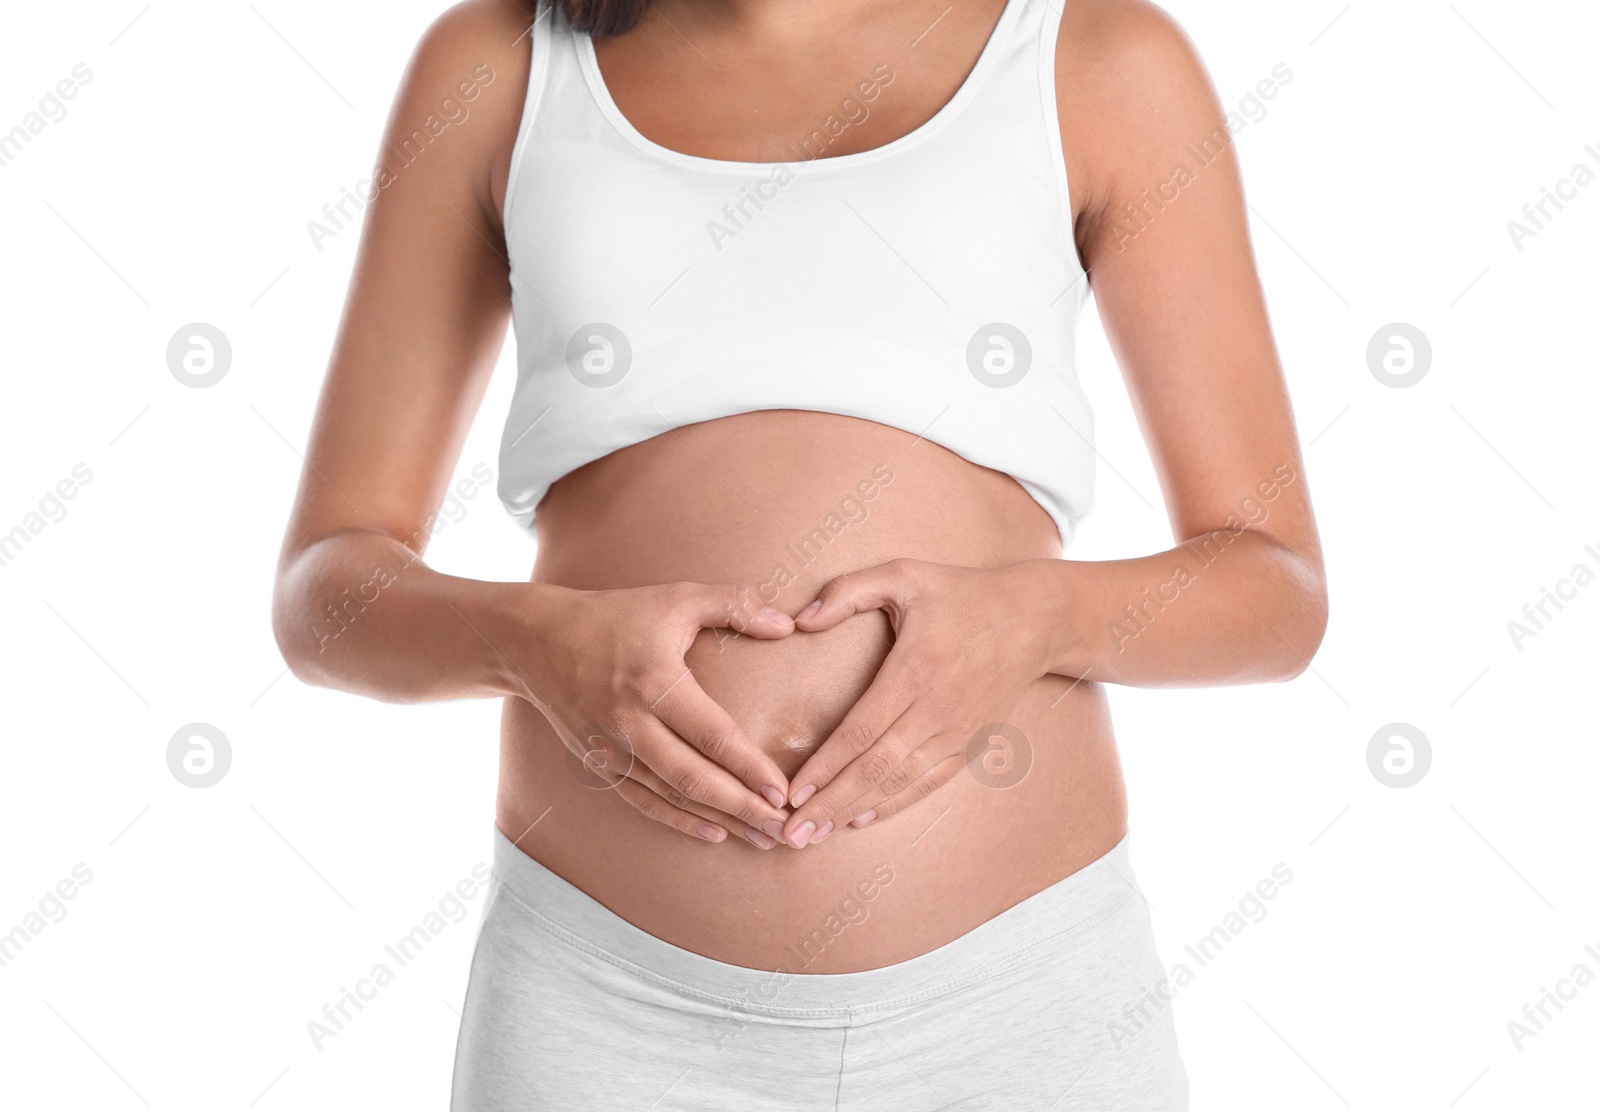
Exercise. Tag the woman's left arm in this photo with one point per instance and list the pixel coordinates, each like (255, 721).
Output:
(1162, 227)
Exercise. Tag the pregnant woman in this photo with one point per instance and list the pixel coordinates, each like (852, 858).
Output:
(808, 795)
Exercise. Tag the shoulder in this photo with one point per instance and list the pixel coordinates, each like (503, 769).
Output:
(1131, 88)
(468, 77)
(474, 31)
(472, 43)
(1101, 38)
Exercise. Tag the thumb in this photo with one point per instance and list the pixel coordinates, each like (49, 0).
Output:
(881, 588)
(738, 608)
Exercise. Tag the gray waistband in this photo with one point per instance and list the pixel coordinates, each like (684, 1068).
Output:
(1077, 902)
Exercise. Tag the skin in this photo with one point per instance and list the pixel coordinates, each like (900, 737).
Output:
(729, 778)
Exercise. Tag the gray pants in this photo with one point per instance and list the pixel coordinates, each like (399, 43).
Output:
(1058, 1003)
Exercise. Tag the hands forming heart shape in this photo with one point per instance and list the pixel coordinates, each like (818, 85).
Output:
(966, 646)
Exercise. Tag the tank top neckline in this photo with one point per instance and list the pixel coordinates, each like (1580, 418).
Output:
(590, 65)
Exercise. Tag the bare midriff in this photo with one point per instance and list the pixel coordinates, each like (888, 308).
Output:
(785, 500)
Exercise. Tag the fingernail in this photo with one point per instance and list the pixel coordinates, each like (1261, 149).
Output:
(773, 827)
(801, 794)
(759, 840)
(710, 833)
(802, 834)
(810, 610)
(827, 828)
(772, 795)
(863, 818)
(774, 615)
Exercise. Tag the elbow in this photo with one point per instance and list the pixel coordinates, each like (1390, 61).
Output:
(298, 639)
(1305, 628)
(283, 632)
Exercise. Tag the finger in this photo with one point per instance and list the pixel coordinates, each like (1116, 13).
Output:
(735, 607)
(919, 789)
(698, 719)
(760, 839)
(610, 763)
(880, 773)
(653, 807)
(879, 588)
(696, 777)
(891, 694)
(601, 757)
(910, 771)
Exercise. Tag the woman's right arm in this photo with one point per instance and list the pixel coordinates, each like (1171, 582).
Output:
(356, 607)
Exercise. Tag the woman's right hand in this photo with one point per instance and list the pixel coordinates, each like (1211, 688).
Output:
(607, 669)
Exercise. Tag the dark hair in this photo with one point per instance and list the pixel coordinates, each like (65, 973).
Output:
(601, 17)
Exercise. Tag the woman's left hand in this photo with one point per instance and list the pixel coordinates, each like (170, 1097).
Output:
(968, 642)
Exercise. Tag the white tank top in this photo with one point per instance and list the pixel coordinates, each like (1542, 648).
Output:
(930, 284)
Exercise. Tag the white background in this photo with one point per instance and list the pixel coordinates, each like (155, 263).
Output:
(219, 921)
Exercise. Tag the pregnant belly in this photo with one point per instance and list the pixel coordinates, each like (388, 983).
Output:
(784, 501)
